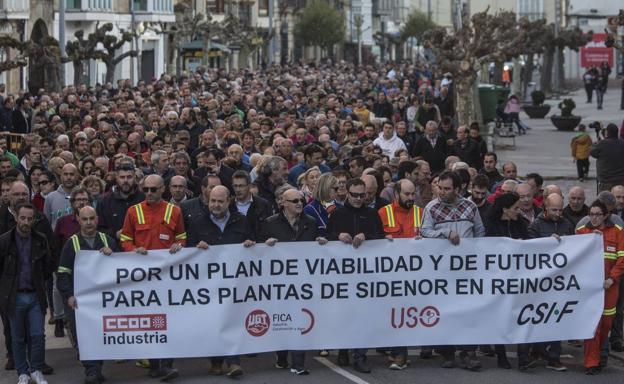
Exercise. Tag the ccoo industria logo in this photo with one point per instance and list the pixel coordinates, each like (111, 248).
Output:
(135, 329)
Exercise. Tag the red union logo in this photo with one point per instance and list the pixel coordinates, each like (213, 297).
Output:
(132, 323)
(429, 316)
(257, 323)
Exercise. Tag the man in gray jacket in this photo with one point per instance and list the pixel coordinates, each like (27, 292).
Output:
(452, 217)
(57, 202)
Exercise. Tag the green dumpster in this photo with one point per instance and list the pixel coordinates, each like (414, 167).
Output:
(489, 96)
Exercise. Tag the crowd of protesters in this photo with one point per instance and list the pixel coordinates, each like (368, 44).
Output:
(308, 153)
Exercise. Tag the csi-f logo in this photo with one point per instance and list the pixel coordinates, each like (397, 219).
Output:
(257, 323)
(544, 313)
(132, 323)
(410, 317)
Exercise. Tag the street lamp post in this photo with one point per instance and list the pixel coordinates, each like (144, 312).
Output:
(62, 40)
(271, 37)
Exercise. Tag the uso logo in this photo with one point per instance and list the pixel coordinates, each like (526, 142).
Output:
(135, 323)
(257, 323)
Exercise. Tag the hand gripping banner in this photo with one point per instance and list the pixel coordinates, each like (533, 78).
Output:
(230, 300)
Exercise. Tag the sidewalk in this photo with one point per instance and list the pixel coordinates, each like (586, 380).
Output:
(547, 151)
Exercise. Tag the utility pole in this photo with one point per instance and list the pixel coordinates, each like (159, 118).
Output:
(359, 21)
(62, 39)
(557, 61)
(272, 38)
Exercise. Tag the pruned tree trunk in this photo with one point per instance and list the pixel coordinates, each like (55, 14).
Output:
(465, 96)
(546, 72)
(77, 72)
(110, 71)
(527, 76)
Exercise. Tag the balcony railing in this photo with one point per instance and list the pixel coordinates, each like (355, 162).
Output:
(89, 5)
(9, 7)
(153, 6)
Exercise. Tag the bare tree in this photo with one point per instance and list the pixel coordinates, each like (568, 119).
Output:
(484, 39)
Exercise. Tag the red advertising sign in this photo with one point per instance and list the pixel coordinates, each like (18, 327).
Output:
(595, 52)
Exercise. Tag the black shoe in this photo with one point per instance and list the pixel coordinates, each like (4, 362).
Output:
(93, 379)
(343, 358)
(59, 328)
(164, 374)
(46, 369)
(502, 362)
(10, 364)
(361, 366)
(592, 371)
(617, 347)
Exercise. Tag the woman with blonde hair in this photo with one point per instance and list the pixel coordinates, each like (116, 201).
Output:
(309, 181)
(322, 206)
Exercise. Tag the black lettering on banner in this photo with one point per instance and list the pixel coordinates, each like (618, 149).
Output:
(467, 263)
(134, 298)
(436, 261)
(469, 286)
(184, 272)
(338, 291)
(188, 297)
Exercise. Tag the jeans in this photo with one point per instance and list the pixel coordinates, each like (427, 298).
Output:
(91, 367)
(515, 118)
(599, 97)
(27, 316)
(589, 89)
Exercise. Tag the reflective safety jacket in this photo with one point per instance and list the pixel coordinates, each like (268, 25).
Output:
(400, 222)
(76, 243)
(613, 238)
(152, 226)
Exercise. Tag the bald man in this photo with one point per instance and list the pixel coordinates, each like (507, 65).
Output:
(57, 202)
(576, 208)
(372, 199)
(552, 188)
(88, 239)
(216, 226)
(549, 223)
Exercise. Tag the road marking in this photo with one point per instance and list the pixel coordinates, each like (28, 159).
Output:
(342, 372)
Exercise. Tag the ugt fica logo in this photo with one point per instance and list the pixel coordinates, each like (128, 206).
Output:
(257, 323)
(135, 323)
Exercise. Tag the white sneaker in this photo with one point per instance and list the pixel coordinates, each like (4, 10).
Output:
(23, 379)
(38, 378)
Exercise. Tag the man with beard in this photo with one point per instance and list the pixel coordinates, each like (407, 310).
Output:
(353, 224)
(479, 194)
(401, 219)
(489, 169)
(112, 208)
(271, 175)
(440, 221)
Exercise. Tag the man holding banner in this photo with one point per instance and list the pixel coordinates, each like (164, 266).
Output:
(401, 219)
(353, 224)
(291, 224)
(91, 240)
(215, 224)
(549, 223)
(154, 224)
(452, 217)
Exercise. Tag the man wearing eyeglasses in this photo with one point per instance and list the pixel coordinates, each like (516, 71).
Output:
(154, 224)
(291, 224)
(353, 224)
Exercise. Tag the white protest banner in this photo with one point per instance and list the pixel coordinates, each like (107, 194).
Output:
(230, 300)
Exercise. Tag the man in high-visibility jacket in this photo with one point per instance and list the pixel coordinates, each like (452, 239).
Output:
(154, 224)
(401, 219)
(613, 239)
(88, 238)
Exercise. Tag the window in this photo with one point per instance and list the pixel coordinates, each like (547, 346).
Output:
(263, 7)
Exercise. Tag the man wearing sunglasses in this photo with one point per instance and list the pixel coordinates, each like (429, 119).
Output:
(154, 224)
(291, 224)
(353, 224)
